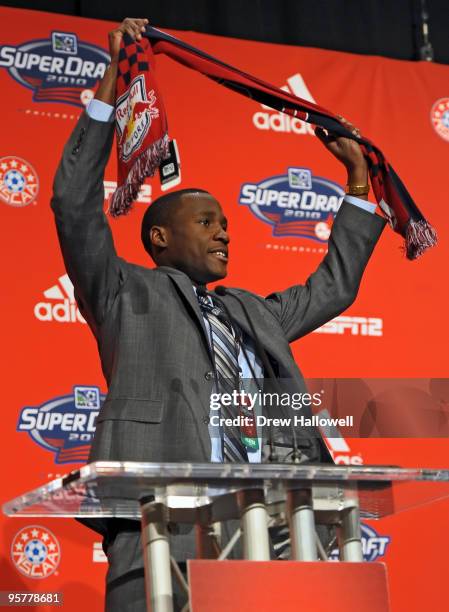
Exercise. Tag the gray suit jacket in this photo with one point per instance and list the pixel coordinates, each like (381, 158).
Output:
(149, 329)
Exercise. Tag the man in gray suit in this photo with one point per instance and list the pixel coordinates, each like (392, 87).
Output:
(153, 338)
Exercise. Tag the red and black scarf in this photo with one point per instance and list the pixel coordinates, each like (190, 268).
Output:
(142, 137)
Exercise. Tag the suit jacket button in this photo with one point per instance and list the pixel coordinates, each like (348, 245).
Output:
(209, 375)
(75, 150)
(206, 420)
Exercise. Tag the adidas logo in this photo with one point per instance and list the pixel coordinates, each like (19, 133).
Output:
(341, 452)
(62, 307)
(279, 122)
(98, 555)
(337, 445)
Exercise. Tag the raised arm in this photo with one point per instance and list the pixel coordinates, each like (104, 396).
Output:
(334, 285)
(84, 234)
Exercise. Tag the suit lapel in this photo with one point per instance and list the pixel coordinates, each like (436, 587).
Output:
(185, 287)
(270, 342)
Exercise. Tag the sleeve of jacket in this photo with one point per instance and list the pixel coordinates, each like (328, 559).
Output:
(92, 264)
(334, 285)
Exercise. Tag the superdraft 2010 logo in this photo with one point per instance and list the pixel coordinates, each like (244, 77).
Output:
(374, 545)
(64, 425)
(61, 68)
(295, 204)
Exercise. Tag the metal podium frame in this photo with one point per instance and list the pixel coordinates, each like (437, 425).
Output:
(301, 496)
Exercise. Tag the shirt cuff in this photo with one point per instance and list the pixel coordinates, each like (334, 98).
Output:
(368, 206)
(100, 111)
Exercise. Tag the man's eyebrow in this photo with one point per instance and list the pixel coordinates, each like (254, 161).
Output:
(212, 213)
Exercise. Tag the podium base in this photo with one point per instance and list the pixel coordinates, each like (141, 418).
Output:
(287, 585)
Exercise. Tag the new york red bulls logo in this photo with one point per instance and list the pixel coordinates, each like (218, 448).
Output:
(135, 111)
(19, 184)
(35, 552)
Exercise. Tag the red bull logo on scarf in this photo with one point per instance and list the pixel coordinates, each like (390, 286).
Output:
(135, 111)
(64, 425)
(61, 68)
(295, 204)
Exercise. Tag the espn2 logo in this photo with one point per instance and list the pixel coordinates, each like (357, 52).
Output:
(355, 326)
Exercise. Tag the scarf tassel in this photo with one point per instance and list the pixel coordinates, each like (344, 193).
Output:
(419, 236)
(144, 166)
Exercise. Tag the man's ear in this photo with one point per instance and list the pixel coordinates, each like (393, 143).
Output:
(159, 237)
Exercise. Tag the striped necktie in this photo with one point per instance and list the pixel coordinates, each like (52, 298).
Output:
(225, 350)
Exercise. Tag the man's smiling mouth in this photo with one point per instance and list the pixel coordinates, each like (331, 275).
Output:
(220, 254)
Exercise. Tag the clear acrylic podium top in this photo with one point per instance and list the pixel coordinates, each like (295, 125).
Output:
(117, 489)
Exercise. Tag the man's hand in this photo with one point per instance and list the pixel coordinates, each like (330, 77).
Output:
(133, 27)
(348, 152)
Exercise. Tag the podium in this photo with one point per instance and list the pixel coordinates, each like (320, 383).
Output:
(162, 495)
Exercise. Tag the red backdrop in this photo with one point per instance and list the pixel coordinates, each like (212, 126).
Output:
(225, 141)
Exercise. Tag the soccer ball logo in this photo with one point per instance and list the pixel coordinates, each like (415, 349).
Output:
(35, 552)
(439, 115)
(19, 184)
(86, 96)
(63, 42)
(15, 181)
(322, 230)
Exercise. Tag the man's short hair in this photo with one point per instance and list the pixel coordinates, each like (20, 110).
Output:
(161, 212)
